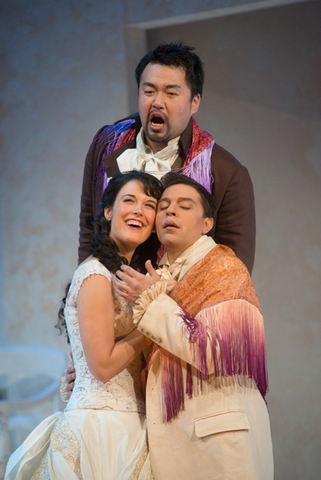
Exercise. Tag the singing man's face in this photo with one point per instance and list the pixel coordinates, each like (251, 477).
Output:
(165, 104)
(180, 220)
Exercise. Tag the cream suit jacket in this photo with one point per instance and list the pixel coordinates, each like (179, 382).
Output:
(224, 432)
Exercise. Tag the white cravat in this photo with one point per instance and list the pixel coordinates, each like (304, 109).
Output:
(186, 260)
(142, 157)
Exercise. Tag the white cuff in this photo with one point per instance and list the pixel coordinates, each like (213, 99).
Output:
(146, 298)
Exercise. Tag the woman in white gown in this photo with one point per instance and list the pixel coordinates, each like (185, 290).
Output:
(101, 435)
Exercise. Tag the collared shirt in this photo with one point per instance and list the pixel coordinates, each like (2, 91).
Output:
(186, 260)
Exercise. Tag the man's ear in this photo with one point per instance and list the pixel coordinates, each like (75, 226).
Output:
(107, 213)
(208, 225)
(196, 103)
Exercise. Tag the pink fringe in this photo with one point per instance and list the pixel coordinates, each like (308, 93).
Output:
(238, 348)
(173, 387)
(199, 169)
(196, 333)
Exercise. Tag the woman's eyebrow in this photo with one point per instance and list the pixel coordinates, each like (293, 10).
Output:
(128, 195)
(150, 199)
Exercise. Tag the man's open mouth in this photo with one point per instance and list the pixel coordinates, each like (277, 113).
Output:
(157, 120)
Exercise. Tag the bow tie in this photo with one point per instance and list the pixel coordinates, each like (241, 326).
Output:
(155, 163)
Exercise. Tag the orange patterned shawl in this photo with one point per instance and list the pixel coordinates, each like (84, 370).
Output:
(208, 295)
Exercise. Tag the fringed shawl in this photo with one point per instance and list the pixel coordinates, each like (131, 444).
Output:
(197, 164)
(224, 325)
(110, 139)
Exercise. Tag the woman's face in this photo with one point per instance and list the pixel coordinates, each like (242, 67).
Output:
(132, 217)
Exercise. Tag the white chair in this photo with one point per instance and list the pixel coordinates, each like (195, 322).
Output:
(29, 392)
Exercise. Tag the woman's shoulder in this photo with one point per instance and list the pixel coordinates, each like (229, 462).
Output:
(84, 270)
(92, 266)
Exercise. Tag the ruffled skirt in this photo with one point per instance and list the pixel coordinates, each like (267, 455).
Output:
(86, 445)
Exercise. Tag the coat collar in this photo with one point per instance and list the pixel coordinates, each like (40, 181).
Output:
(110, 159)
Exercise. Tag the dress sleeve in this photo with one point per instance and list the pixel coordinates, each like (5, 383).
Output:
(84, 271)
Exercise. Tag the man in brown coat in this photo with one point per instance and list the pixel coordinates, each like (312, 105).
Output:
(164, 136)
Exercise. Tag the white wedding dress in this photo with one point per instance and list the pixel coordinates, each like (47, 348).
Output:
(101, 435)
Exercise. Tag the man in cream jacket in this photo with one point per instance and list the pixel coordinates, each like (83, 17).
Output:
(206, 413)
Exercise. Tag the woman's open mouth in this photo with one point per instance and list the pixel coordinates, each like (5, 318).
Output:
(136, 224)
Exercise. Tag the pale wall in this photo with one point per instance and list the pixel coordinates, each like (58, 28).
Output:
(64, 75)
(262, 101)
(63, 72)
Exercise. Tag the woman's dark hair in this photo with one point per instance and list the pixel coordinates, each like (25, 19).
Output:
(61, 324)
(104, 247)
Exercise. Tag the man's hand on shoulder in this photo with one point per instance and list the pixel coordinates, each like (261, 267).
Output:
(70, 379)
(133, 283)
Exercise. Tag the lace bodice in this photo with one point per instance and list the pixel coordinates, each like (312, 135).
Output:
(122, 392)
